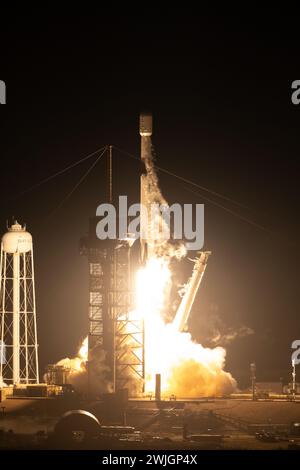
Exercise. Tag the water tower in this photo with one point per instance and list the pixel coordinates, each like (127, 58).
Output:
(18, 331)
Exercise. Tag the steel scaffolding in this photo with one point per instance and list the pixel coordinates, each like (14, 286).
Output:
(113, 325)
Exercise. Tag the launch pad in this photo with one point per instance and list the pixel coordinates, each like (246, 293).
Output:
(53, 423)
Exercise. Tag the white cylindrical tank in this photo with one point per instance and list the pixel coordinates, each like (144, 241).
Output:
(17, 309)
(17, 240)
(146, 124)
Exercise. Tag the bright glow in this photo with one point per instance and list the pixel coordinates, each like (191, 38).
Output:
(84, 349)
(151, 287)
(77, 364)
(77, 371)
(187, 369)
(152, 282)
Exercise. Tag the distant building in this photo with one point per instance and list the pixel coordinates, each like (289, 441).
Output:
(270, 387)
(289, 388)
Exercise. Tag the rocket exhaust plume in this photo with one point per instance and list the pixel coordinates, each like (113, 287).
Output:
(187, 369)
(153, 243)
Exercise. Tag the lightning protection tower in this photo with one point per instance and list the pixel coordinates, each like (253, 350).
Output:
(18, 331)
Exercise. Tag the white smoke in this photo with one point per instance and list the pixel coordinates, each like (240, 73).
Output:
(162, 247)
(88, 377)
(187, 368)
(2, 383)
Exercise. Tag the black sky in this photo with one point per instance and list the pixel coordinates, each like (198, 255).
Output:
(220, 93)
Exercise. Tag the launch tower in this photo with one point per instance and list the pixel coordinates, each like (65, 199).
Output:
(113, 327)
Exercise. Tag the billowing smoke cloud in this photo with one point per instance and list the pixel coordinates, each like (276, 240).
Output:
(213, 330)
(152, 194)
(198, 371)
(231, 334)
(187, 369)
(192, 379)
(2, 384)
(94, 381)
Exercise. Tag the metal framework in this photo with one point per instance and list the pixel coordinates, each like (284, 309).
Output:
(112, 322)
(18, 329)
(128, 329)
(113, 325)
(96, 296)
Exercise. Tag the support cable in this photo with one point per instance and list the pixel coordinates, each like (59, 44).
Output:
(185, 180)
(60, 172)
(83, 177)
(182, 179)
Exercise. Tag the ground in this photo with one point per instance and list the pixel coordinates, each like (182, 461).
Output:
(202, 424)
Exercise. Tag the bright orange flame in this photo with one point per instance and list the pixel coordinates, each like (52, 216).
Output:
(77, 364)
(151, 287)
(83, 350)
(186, 368)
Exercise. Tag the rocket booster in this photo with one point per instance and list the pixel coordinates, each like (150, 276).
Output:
(145, 225)
(145, 125)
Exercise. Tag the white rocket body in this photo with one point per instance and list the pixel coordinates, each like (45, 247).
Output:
(192, 287)
(145, 225)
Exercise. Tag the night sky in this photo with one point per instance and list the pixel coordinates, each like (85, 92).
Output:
(220, 93)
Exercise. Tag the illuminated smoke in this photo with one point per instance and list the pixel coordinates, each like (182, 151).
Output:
(159, 245)
(231, 335)
(212, 329)
(187, 369)
(94, 381)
